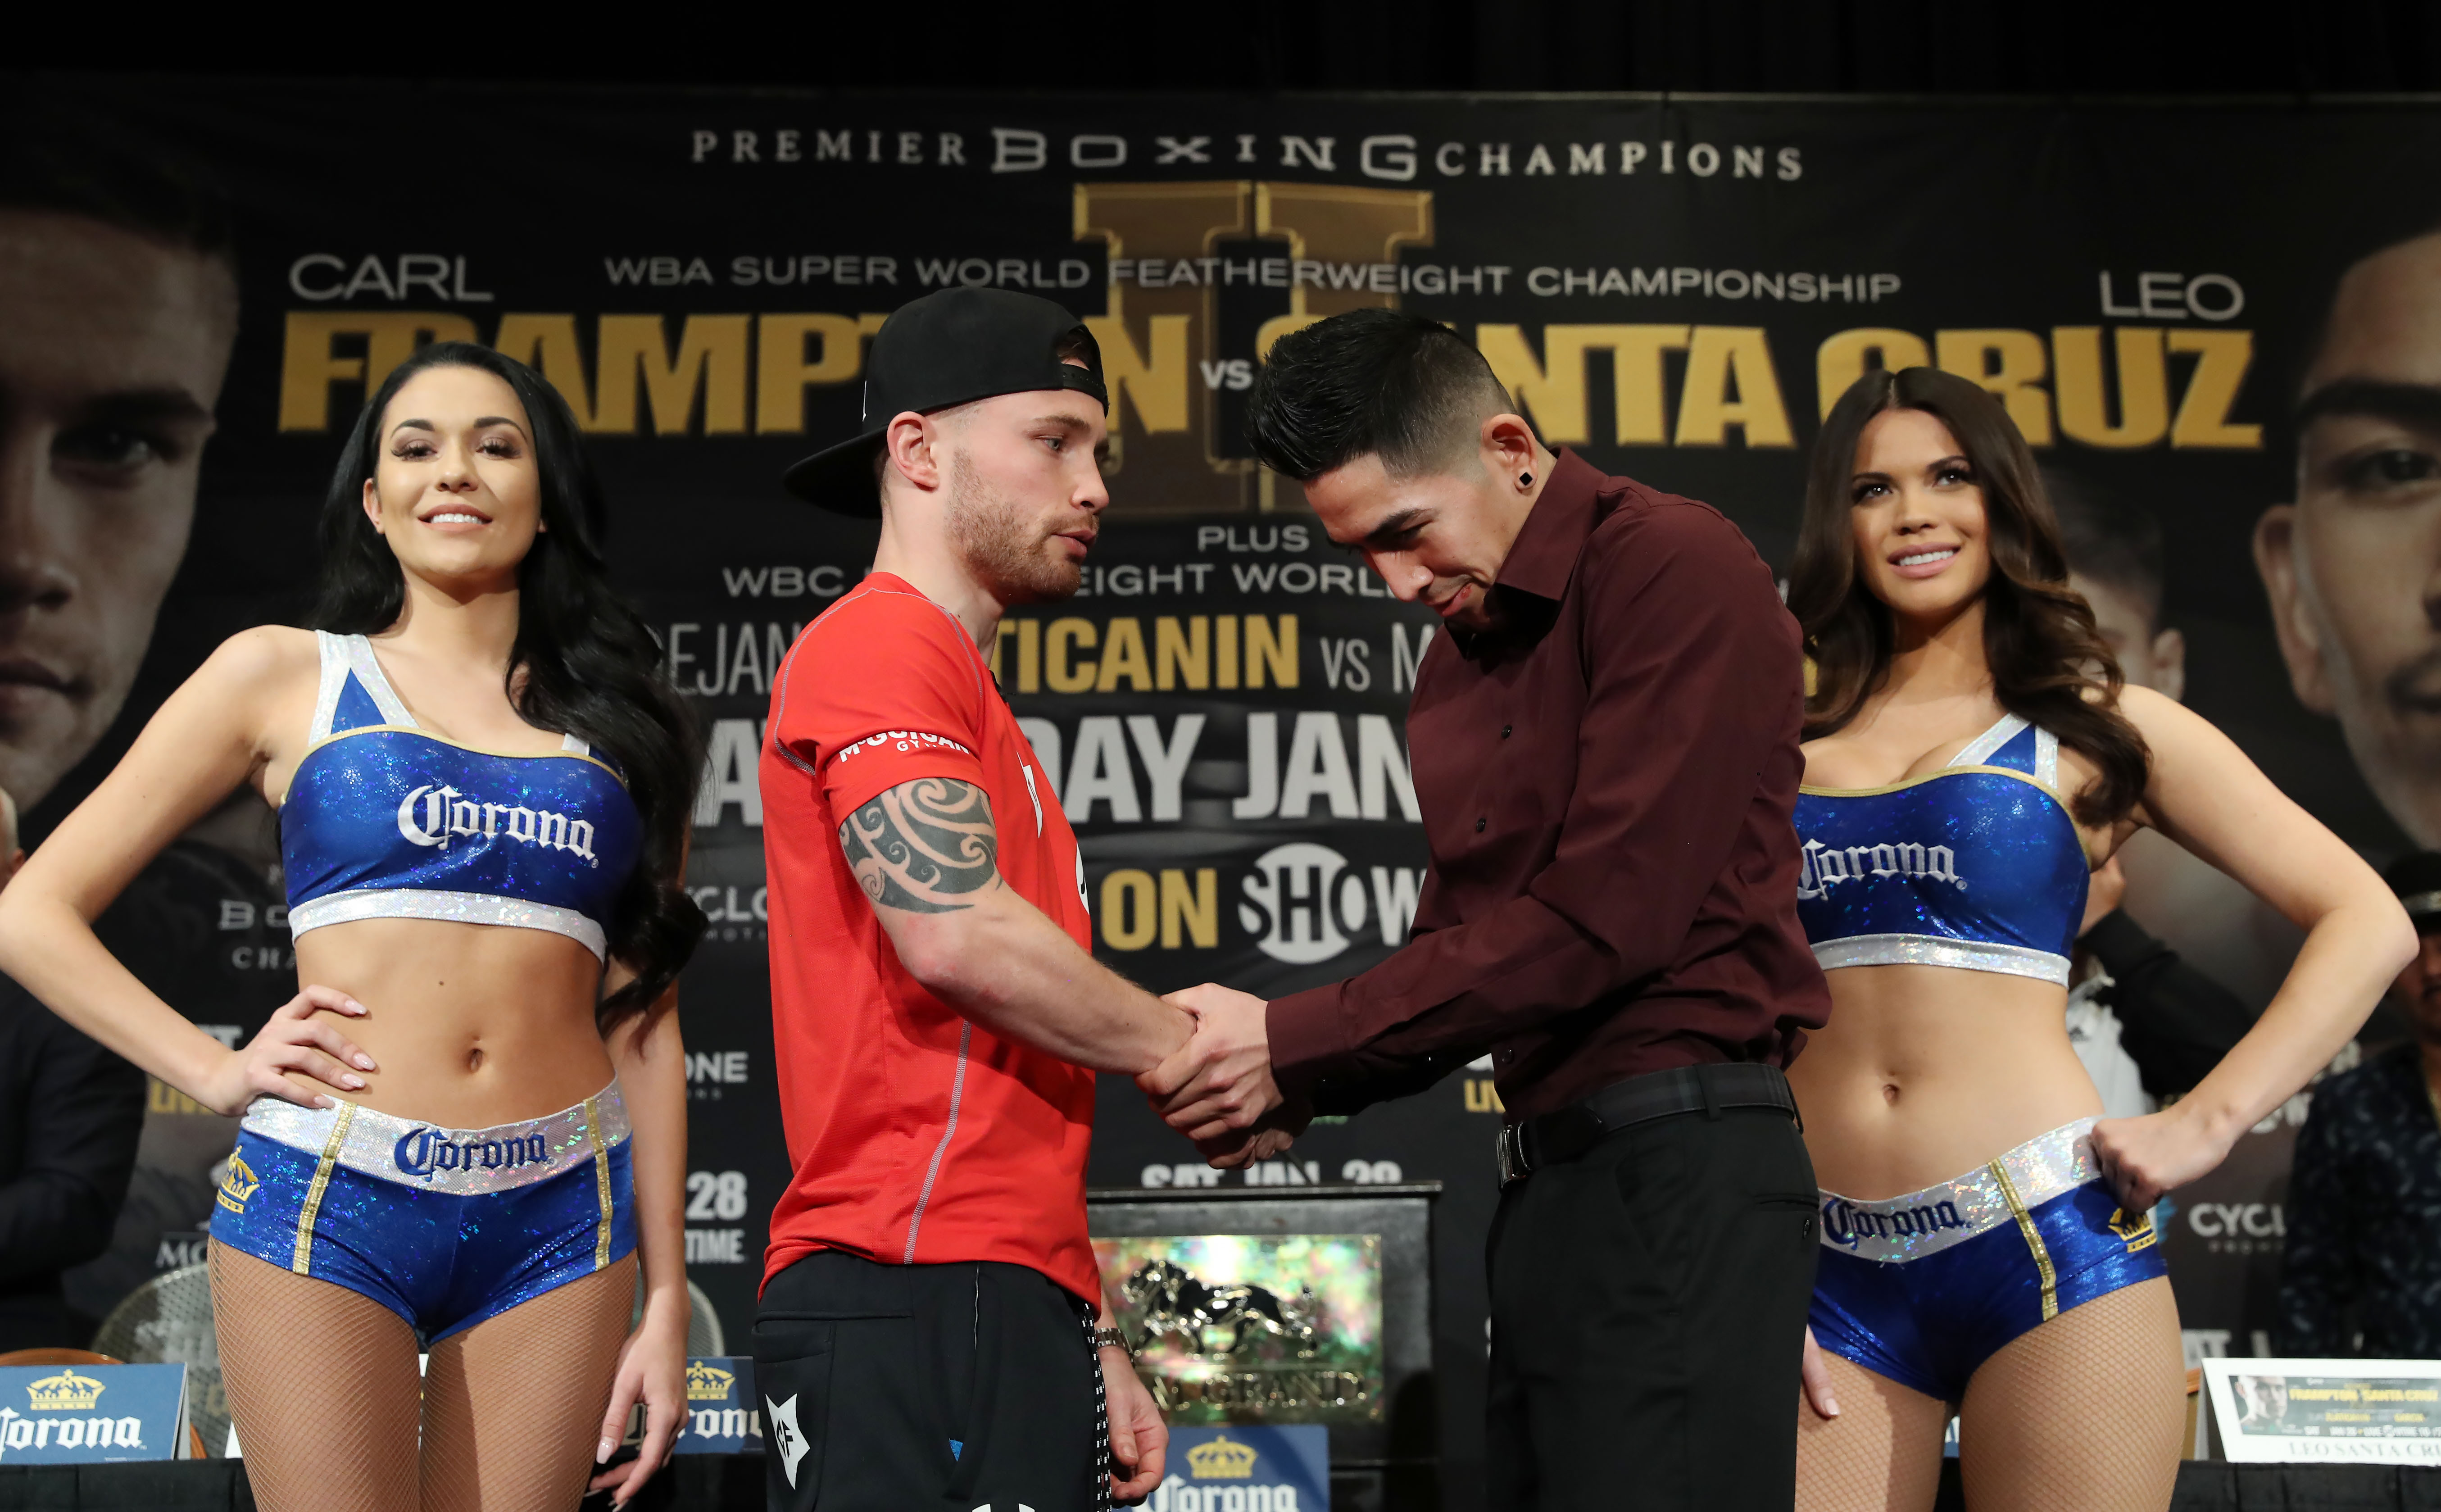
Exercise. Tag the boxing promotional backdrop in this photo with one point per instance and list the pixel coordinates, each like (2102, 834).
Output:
(1676, 289)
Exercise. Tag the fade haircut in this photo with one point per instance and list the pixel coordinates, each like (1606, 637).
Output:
(1378, 383)
(2115, 544)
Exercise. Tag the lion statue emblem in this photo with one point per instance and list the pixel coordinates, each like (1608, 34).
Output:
(1175, 1305)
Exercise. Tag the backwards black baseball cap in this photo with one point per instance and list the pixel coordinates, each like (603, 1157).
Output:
(2415, 877)
(949, 348)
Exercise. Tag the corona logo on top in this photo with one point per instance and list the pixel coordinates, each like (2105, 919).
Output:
(1220, 1460)
(66, 1392)
(708, 1383)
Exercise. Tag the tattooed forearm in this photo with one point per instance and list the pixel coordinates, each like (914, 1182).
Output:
(923, 846)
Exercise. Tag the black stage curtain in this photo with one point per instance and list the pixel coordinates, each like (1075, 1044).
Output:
(1832, 47)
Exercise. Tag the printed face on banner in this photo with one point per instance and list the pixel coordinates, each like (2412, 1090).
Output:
(2149, 655)
(112, 360)
(2354, 567)
(1918, 516)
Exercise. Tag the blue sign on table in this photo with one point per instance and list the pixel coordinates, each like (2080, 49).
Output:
(1245, 1470)
(80, 1415)
(723, 1415)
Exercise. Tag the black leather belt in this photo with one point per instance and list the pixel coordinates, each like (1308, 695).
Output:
(1530, 1143)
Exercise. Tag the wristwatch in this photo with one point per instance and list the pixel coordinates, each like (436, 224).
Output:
(1113, 1338)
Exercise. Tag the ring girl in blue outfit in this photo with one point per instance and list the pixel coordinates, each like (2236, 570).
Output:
(465, 1130)
(1971, 757)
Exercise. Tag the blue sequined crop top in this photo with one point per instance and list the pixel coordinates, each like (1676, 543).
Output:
(383, 821)
(1976, 866)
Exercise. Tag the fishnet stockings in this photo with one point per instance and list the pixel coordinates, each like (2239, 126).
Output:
(2085, 1414)
(1882, 1453)
(2087, 1411)
(513, 1406)
(322, 1385)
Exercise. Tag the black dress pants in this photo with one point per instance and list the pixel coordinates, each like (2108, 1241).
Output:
(1648, 1319)
(940, 1387)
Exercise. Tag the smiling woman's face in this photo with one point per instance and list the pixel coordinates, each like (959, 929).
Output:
(1922, 545)
(456, 491)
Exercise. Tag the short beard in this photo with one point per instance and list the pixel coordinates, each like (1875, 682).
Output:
(1002, 543)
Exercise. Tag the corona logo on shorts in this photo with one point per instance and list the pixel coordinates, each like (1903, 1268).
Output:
(1847, 1224)
(421, 1151)
(66, 1392)
(238, 1184)
(1220, 1460)
(709, 1383)
(435, 815)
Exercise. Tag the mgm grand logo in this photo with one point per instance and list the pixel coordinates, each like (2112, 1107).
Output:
(1243, 1346)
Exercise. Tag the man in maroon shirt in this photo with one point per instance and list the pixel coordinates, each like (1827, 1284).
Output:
(1605, 747)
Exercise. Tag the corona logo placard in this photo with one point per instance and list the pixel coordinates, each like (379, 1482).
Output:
(708, 1383)
(1220, 1460)
(66, 1392)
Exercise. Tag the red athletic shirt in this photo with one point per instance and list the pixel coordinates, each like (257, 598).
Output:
(917, 1137)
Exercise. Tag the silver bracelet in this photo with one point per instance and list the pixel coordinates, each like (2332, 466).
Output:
(1113, 1338)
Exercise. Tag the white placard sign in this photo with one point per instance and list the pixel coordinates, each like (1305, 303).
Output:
(2385, 1412)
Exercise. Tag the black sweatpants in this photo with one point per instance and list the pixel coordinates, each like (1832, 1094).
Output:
(1648, 1319)
(948, 1387)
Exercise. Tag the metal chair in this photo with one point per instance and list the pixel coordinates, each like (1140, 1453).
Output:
(57, 1356)
(168, 1321)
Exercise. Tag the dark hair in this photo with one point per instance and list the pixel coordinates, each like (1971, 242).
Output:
(2038, 634)
(1369, 382)
(69, 161)
(589, 665)
(2115, 543)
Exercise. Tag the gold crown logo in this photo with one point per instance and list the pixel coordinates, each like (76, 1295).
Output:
(66, 1392)
(1220, 1460)
(708, 1383)
(238, 1184)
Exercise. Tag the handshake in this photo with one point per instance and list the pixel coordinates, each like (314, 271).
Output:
(1217, 1089)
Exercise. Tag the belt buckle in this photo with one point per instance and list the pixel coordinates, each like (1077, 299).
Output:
(1509, 1149)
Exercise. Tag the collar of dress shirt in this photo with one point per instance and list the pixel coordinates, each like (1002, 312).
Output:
(1544, 553)
(1535, 573)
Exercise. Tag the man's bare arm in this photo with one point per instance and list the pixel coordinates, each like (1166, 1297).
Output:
(926, 853)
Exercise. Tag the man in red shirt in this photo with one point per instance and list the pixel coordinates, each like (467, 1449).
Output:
(932, 1330)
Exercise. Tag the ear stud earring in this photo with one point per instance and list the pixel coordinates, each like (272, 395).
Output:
(1525, 480)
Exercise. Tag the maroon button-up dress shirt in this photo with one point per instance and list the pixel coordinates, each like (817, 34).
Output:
(1606, 782)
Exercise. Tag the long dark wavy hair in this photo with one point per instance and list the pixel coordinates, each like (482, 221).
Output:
(2038, 634)
(583, 663)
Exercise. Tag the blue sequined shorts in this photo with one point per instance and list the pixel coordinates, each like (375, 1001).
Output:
(444, 1227)
(1923, 1289)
